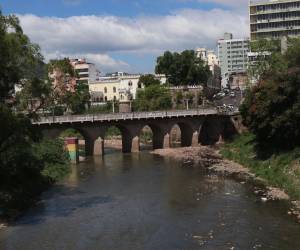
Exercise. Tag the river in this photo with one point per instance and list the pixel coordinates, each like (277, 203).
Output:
(143, 201)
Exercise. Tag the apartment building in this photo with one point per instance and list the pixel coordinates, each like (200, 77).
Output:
(274, 19)
(232, 54)
(87, 72)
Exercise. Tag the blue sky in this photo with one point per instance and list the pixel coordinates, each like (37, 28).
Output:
(66, 8)
(126, 35)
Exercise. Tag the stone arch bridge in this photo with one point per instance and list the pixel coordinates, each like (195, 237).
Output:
(203, 126)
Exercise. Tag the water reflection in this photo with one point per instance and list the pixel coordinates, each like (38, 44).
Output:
(141, 201)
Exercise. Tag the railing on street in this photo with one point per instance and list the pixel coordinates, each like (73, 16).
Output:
(127, 116)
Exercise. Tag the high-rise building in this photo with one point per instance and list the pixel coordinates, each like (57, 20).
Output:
(274, 18)
(87, 72)
(232, 54)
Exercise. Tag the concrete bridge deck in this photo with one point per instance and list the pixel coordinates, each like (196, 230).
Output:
(128, 116)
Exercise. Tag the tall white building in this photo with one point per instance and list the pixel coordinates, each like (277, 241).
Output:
(87, 71)
(232, 54)
(274, 18)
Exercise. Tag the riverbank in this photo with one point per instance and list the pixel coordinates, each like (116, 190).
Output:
(212, 159)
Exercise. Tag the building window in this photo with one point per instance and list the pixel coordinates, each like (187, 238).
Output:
(115, 98)
(105, 98)
(114, 89)
(130, 83)
(83, 75)
(105, 90)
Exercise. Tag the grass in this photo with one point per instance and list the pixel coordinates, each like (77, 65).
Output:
(280, 169)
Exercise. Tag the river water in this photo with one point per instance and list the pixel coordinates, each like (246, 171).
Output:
(142, 201)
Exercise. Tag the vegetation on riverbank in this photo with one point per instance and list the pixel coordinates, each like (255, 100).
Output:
(28, 163)
(280, 169)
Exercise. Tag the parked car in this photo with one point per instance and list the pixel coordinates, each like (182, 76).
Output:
(230, 107)
(226, 91)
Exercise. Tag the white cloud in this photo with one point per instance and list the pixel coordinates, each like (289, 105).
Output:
(98, 36)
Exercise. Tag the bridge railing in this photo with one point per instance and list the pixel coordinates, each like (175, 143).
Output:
(126, 116)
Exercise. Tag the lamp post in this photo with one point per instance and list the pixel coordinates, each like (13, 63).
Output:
(187, 103)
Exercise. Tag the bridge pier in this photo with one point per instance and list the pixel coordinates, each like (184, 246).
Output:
(98, 147)
(161, 139)
(135, 144)
(130, 138)
(94, 143)
(130, 143)
(195, 139)
(167, 139)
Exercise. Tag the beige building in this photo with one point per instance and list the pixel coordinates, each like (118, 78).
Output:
(118, 87)
(209, 57)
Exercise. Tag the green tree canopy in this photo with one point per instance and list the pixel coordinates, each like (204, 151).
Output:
(271, 109)
(27, 165)
(183, 68)
(68, 90)
(19, 57)
(147, 80)
(153, 97)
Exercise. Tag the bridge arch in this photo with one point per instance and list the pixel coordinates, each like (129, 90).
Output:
(160, 134)
(185, 131)
(71, 131)
(212, 132)
(146, 137)
(112, 139)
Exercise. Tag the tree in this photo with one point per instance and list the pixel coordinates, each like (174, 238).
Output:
(147, 80)
(21, 169)
(78, 100)
(267, 53)
(153, 97)
(19, 57)
(66, 90)
(34, 95)
(271, 109)
(183, 69)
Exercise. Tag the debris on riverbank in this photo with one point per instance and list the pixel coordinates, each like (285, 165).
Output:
(209, 158)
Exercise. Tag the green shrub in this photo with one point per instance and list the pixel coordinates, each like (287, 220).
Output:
(280, 169)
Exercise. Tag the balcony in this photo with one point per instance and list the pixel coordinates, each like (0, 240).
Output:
(276, 20)
(279, 10)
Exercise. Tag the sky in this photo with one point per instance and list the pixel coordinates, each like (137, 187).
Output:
(126, 35)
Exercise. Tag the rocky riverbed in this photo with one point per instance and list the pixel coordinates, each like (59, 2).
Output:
(210, 159)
